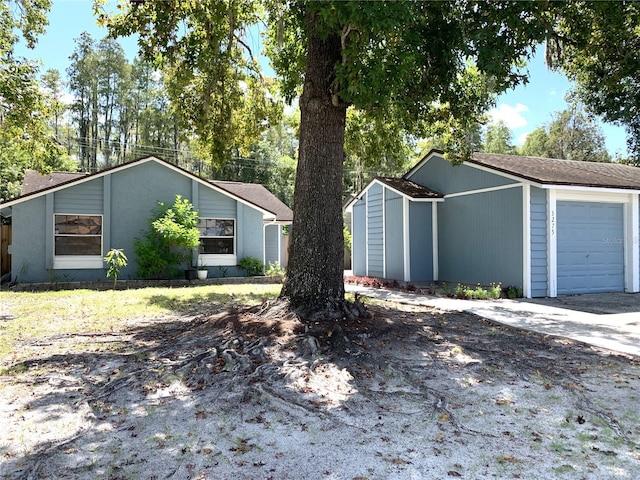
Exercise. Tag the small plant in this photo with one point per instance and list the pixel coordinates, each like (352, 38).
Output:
(273, 269)
(478, 293)
(512, 292)
(252, 266)
(202, 266)
(224, 271)
(116, 259)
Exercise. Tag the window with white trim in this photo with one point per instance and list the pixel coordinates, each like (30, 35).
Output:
(77, 241)
(217, 236)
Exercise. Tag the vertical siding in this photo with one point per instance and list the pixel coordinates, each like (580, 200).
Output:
(393, 239)
(539, 275)
(359, 237)
(480, 238)
(421, 241)
(271, 252)
(29, 230)
(249, 232)
(84, 198)
(375, 241)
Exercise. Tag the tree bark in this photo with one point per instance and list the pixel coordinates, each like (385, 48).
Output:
(314, 280)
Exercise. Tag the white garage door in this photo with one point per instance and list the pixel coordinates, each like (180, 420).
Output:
(590, 247)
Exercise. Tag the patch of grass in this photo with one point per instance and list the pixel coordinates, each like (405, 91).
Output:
(39, 315)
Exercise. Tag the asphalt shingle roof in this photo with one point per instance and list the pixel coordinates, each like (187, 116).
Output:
(258, 195)
(35, 181)
(554, 171)
(409, 188)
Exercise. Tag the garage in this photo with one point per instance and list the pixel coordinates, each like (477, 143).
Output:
(590, 247)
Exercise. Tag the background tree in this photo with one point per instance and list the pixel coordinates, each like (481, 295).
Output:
(83, 84)
(53, 86)
(597, 44)
(498, 139)
(571, 135)
(111, 73)
(373, 147)
(24, 136)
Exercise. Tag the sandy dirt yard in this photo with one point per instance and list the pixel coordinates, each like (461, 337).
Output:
(411, 393)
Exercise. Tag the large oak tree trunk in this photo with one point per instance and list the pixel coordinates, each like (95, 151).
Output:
(314, 279)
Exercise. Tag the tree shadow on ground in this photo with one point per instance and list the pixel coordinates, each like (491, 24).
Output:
(238, 389)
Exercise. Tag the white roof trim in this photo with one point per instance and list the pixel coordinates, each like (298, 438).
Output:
(80, 180)
(585, 188)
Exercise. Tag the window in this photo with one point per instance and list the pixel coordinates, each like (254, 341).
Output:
(217, 236)
(77, 241)
(78, 235)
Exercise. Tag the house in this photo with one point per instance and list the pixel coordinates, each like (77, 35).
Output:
(550, 227)
(63, 224)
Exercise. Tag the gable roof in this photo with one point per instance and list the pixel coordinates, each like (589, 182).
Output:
(553, 171)
(260, 198)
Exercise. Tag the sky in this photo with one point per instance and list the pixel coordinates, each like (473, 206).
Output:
(523, 109)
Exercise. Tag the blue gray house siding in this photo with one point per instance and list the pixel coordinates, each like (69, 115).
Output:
(135, 193)
(29, 262)
(271, 250)
(126, 199)
(393, 235)
(539, 254)
(442, 176)
(480, 238)
(249, 232)
(421, 241)
(375, 226)
(359, 237)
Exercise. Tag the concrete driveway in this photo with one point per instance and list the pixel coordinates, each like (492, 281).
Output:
(610, 321)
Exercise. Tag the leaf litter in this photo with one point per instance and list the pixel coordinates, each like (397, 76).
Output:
(409, 393)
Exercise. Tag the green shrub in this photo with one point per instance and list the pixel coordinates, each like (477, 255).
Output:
(252, 266)
(274, 268)
(170, 240)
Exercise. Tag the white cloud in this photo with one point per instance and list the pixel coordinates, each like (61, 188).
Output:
(523, 138)
(511, 116)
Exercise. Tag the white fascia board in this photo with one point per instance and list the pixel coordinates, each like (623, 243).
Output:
(483, 190)
(631, 247)
(366, 234)
(600, 195)
(434, 232)
(590, 190)
(420, 164)
(552, 244)
(384, 232)
(498, 172)
(526, 241)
